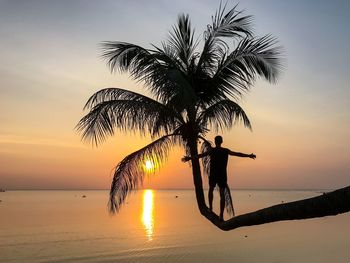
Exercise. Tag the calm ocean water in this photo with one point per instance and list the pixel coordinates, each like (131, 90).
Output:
(155, 226)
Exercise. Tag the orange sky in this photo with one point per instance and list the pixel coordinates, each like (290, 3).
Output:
(51, 66)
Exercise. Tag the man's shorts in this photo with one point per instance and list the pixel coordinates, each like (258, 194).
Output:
(218, 179)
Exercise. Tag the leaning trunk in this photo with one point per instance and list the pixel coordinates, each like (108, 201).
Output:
(328, 204)
(197, 177)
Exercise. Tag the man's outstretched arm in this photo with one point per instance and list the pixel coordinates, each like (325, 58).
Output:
(253, 156)
(187, 158)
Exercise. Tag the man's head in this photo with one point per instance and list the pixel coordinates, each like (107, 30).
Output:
(218, 140)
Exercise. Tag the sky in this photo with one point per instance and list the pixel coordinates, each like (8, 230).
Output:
(50, 65)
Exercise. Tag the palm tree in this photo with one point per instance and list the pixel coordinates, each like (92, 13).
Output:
(195, 87)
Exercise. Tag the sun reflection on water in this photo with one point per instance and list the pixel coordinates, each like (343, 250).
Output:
(147, 213)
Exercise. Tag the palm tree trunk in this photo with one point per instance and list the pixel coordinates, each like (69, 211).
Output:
(328, 204)
(197, 177)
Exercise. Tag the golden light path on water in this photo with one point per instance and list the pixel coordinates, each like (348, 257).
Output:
(147, 213)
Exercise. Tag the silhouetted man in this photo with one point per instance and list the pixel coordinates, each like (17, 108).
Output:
(218, 173)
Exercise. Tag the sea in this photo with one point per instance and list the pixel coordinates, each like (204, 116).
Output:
(161, 226)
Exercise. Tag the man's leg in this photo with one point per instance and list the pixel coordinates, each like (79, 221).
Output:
(222, 202)
(210, 196)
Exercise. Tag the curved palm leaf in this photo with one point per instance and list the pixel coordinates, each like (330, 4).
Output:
(228, 201)
(237, 71)
(143, 64)
(224, 114)
(181, 39)
(108, 94)
(161, 70)
(224, 24)
(135, 112)
(125, 56)
(129, 173)
(252, 57)
(230, 24)
(206, 147)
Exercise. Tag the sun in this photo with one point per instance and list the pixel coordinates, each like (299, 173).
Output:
(149, 166)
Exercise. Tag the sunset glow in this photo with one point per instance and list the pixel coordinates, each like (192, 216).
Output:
(174, 131)
(52, 65)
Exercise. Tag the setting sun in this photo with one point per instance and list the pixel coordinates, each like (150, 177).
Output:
(149, 166)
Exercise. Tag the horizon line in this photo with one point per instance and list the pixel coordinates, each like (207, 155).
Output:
(161, 189)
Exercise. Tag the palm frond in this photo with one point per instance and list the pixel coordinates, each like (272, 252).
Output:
(108, 94)
(182, 40)
(123, 56)
(162, 71)
(129, 111)
(129, 173)
(237, 71)
(206, 147)
(252, 57)
(231, 24)
(223, 114)
(144, 65)
(228, 201)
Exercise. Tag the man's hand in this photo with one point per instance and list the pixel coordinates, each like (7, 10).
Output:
(185, 159)
(253, 156)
